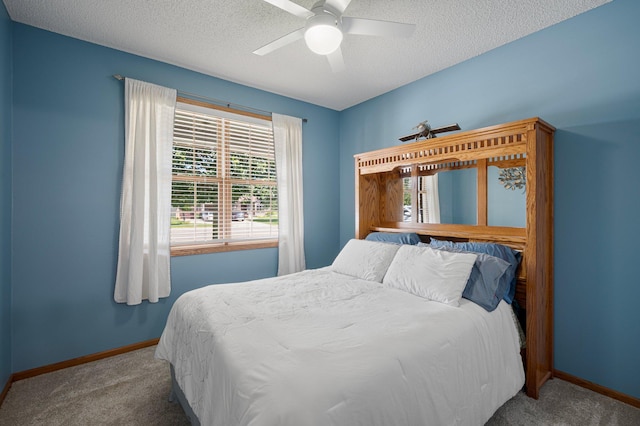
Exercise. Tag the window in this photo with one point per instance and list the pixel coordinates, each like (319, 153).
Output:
(224, 193)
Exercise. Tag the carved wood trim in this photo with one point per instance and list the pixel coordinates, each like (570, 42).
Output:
(493, 141)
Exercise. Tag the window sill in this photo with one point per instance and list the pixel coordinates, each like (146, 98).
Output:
(221, 247)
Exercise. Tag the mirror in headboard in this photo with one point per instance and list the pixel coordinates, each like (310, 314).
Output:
(506, 193)
(443, 195)
(448, 193)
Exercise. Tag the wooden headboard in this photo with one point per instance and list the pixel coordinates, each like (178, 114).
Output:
(379, 195)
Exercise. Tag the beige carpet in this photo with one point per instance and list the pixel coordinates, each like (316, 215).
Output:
(128, 389)
(565, 404)
(132, 389)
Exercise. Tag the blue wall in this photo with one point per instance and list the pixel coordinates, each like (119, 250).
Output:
(68, 148)
(6, 66)
(582, 76)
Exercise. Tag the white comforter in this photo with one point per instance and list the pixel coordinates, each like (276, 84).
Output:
(322, 348)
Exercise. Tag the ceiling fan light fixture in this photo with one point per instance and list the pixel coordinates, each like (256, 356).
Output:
(323, 34)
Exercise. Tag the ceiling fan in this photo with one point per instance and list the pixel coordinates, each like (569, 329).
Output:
(326, 27)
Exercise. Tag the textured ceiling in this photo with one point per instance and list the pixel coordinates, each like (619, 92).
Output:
(217, 38)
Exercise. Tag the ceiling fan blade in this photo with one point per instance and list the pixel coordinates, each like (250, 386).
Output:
(292, 8)
(373, 27)
(339, 5)
(281, 42)
(336, 61)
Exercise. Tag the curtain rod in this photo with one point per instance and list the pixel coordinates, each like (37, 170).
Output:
(216, 101)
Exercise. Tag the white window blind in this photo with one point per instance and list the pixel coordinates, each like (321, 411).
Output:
(407, 195)
(423, 205)
(224, 178)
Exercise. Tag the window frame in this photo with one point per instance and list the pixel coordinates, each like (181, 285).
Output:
(223, 246)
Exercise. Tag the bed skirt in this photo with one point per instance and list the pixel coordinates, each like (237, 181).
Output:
(177, 395)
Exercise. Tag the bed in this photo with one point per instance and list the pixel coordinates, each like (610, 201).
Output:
(380, 337)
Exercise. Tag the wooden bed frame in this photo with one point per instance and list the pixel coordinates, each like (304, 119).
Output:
(379, 207)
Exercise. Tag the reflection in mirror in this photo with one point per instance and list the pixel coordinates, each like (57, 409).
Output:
(406, 199)
(507, 206)
(428, 199)
(451, 197)
(458, 196)
(445, 197)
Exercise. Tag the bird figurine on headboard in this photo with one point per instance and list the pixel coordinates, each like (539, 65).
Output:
(424, 130)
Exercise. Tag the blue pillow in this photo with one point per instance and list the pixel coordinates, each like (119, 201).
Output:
(498, 250)
(393, 237)
(488, 283)
(488, 287)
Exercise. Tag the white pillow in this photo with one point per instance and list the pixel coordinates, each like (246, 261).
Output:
(364, 259)
(433, 274)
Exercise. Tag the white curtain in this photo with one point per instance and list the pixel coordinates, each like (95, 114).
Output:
(287, 135)
(145, 206)
(431, 198)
